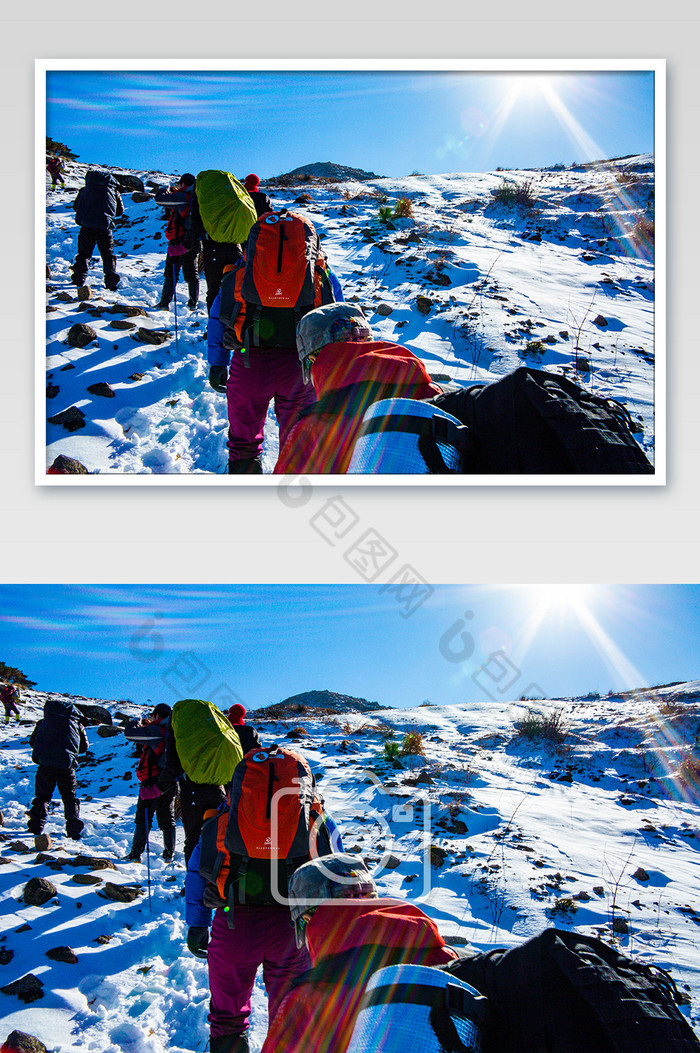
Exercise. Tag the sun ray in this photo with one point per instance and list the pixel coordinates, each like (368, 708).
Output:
(614, 658)
(575, 131)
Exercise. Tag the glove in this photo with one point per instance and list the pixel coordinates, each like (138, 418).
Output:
(197, 940)
(218, 375)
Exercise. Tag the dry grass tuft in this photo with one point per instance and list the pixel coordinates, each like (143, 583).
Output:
(403, 208)
(542, 727)
(412, 744)
(512, 193)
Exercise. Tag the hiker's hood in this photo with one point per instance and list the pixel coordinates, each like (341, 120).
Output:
(61, 707)
(98, 178)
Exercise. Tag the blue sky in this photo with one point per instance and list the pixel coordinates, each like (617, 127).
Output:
(260, 644)
(389, 122)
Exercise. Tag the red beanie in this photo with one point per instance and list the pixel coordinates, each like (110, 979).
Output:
(236, 713)
(251, 182)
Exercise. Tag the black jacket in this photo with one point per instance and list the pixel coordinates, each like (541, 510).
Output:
(98, 202)
(248, 736)
(171, 768)
(59, 737)
(261, 201)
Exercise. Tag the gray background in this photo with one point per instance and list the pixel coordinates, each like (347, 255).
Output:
(205, 533)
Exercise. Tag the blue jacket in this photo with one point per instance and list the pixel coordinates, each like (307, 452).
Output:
(217, 354)
(195, 911)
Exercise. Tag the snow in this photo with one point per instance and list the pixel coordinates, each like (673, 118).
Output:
(510, 285)
(544, 824)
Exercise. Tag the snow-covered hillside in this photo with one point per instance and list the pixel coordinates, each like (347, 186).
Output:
(496, 835)
(474, 285)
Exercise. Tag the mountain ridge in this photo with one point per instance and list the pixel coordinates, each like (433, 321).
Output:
(328, 701)
(326, 170)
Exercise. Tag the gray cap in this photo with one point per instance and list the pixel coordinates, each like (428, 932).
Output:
(333, 324)
(340, 876)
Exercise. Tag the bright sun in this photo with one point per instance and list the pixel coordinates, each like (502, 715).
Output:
(534, 85)
(563, 597)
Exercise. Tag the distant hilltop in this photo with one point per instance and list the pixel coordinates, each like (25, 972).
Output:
(320, 701)
(323, 170)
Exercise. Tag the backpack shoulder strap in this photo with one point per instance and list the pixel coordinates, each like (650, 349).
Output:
(346, 401)
(350, 968)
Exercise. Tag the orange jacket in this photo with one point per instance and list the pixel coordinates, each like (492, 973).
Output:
(347, 943)
(348, 378)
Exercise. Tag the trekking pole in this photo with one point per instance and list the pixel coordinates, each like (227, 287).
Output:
(175, 309)
(148, 868)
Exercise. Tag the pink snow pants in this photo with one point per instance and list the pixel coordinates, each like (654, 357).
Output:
(273, 374)
(262, 936)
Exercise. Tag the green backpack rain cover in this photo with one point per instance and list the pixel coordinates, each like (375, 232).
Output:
(208, 747)
(226, 207)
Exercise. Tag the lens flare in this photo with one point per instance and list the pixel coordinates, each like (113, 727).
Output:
(627, 219)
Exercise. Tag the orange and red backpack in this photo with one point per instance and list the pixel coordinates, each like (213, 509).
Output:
(282, 275)
(274, 823)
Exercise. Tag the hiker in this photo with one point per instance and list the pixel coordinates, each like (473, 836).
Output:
(249, 737)
(54, 166)
(244, 319)
(527, 421)
(260, 199)
(177, 200)
(56, 741)
(349, 371)
(262, 936)
(96, 206)
(347, 941)
(10, 697)
(221, 216)
(152, 733)
(183, 750)
(235, 871)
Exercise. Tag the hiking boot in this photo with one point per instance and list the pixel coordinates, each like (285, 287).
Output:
(131, 858)
(228, 1044)
(246, 466)
(74, 829)
(167, 855)
(161, 306)
(34, 827)
(193, 304)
